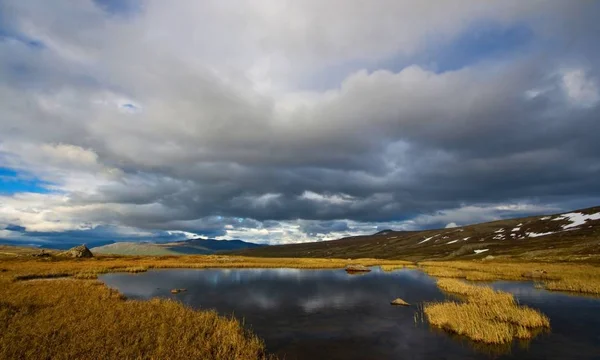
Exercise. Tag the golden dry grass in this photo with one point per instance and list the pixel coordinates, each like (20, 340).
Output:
(400, 266)
(83, 319)
(75, 316)
(25, 268)
(573, 277)
(486, 315)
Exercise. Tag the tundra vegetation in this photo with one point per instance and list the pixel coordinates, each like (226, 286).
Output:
(53, 307)
(484, 315)
(565, 276)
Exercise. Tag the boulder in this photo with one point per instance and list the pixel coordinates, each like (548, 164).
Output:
(535, 274)
(42, 253)
(357, 268)
(400, 302)
(80, 251)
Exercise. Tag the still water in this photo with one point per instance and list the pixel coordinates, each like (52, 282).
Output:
(329, 314)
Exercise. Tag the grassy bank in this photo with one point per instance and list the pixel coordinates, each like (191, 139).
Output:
(571, 277)
(53, 308)
(25, 268)
(485, 315)
(83, 319)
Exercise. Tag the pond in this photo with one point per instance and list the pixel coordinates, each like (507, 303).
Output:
(329, 314)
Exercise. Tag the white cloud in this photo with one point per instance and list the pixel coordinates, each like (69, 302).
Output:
(580, 89)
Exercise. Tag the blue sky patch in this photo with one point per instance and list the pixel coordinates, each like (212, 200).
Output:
(12, 182)
(482, 41)
(120, 7)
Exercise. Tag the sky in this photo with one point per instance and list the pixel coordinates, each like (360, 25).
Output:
(282, 121)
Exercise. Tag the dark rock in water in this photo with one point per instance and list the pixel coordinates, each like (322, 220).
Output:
(535, 274)
(357, 268)
(400, 302)
(174, 291)
(80, 251)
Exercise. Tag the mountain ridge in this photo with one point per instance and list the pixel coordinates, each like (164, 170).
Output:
(570, 235)
(196, 246)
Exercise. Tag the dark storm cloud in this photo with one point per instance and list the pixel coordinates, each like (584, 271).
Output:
(159, 135)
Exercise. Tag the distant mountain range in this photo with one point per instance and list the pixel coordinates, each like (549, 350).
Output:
(567, 236)
(197, 246)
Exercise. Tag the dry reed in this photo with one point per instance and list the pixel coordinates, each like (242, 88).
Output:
(486, 315)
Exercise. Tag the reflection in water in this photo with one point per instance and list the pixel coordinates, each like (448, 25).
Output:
(317, 314)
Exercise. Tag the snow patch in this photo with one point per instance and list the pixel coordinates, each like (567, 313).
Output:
(577, 219)
(516, 229)
(499, 237)
(499, 231)
(546, 218)
(451, 242)
(480, 251)
(532, 234)
(467, 238)
(427, 239)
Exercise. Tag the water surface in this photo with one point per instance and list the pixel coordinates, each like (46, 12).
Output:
(328, 314)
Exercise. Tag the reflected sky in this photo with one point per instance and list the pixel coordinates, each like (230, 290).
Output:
(329, 314)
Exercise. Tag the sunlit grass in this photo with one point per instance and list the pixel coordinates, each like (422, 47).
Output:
(486, 315)
(83, 319)
(574, 277)
(400, 266)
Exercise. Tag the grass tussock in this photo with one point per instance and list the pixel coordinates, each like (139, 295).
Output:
(572, 277)
(486, 315)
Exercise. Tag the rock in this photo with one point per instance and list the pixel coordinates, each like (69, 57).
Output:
(174, 291)
(489, 257)
(401, 302)
(357, 268)
(42, 253)
(80, 251)
(535, 274)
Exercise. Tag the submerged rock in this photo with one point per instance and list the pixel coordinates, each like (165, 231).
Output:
(400, 302)
(357, 268)
(80, 251)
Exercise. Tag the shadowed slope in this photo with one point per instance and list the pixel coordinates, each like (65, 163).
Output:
(568, 236)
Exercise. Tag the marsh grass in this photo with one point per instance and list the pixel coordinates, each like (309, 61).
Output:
(76, 317)
(400, 266)
(83, 319)
(571, 277)
(485, 315)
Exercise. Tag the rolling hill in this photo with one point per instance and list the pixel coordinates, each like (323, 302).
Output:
(567, 236)
(197, 246)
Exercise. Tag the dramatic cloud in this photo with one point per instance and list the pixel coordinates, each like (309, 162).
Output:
(283, 121)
